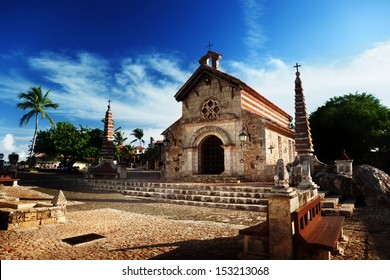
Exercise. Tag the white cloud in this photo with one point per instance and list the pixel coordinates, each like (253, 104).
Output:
(366, 72)
(255, 37)
(141, 89)
(8, 145)
(81, 83)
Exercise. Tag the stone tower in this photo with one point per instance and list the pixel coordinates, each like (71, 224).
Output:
(106, 168)
(108, 136)
(303, 140)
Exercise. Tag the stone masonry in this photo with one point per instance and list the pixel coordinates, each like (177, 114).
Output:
(217, 108)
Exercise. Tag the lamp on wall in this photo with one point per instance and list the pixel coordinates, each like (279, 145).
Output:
(166, 140)
(244, 134)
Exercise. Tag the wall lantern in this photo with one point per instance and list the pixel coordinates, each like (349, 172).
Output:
(166, 140)
(244, 134)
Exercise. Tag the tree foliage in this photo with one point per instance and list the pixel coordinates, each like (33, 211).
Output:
(122, 151)
(37, 102)
(138, 133)
(70, 144)
(356, 122)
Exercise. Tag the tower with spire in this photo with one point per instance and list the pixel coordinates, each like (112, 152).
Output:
(106, 168)
(108, 136)
(303, 141)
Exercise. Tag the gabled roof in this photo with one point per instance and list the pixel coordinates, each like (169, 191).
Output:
(237, 83)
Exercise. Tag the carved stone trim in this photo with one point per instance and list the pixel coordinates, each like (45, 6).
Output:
(199, 135)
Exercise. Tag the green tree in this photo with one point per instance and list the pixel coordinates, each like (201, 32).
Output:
(356, 122)
(70, 144)
(121, 150)
(37, 102)
(138, 133)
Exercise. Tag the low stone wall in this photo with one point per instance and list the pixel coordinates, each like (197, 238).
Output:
(11, 219)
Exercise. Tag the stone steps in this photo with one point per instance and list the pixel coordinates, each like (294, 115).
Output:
(247, 207)
(334, 205)
(248, 196)
(196, 197)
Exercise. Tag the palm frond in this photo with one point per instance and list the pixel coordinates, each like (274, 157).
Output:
(26, 118)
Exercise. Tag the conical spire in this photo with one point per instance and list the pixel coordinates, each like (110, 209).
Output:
(303, 140)
(108, 137)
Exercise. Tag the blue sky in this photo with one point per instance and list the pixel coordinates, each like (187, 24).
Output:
(139, 53)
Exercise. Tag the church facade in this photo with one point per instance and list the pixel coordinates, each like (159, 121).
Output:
(226, 129)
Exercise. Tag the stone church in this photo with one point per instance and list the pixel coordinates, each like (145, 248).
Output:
(227, 129)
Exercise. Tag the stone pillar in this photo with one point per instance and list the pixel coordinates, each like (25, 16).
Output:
(122, 171)
(229, 161)
(281, 204)
(188, 158)
(306, 179)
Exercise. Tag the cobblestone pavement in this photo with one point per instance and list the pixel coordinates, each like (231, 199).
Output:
(137, 229)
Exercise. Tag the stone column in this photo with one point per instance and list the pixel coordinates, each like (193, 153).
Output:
(229, 161)
(307, 181)
(122, 171)
(281, 204)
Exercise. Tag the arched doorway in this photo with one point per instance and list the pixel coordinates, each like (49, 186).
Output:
(211, 156)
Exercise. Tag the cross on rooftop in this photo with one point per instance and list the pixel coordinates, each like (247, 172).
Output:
(297, 66)
(209, 46)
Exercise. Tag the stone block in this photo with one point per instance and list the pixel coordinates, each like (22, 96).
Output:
(48, 221)
(43, 215)
(28, 224)
(30, 216)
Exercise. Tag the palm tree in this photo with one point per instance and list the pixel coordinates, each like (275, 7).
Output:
(120, 148)
(119, 137)
(138, 133)
(36, 102)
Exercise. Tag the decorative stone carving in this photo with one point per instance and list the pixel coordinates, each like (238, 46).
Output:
(211, 109)
(344, 165)
(281, 177)
(59, 199)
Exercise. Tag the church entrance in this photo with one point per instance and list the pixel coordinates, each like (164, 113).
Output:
(211, 156)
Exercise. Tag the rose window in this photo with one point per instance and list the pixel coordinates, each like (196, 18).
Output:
(210, 109)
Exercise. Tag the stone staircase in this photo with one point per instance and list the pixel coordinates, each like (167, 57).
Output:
(251, 196)
(335, 205)
(240, 196)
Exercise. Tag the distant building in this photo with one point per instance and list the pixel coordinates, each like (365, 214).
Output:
(226, 129)
(139, 150)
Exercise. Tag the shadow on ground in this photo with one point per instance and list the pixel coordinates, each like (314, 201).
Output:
(211, 249)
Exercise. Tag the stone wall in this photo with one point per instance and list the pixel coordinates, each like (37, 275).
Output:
(11, 219)
(213, 106)
(211, 88)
